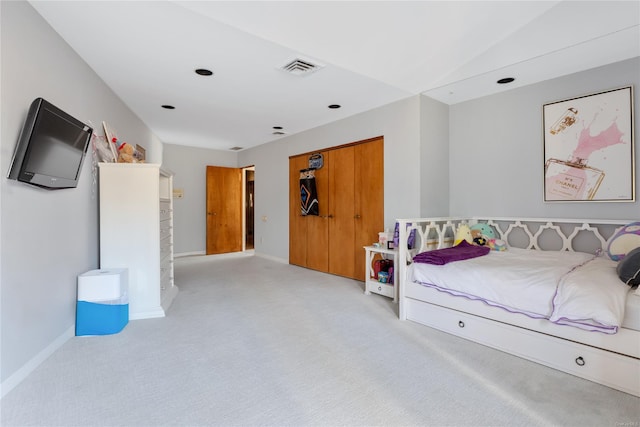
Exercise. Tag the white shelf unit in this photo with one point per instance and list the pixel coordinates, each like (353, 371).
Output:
(136, 232)
(371, 284)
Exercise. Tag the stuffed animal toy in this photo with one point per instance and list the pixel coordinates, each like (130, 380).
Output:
(477, 237)
(481, 234)
(480, 241)
(629, 268)
(624, 241)
(463, 233)
(126, 152)
(497, 245)
(484, 230)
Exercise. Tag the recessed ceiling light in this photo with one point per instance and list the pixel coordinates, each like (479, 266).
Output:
(204, 72)
(169, 107)
(334, 106)
(505, 80)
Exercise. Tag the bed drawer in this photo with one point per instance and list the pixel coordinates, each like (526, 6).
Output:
(604, 367)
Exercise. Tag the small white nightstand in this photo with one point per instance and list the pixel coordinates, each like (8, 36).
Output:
(371, 284)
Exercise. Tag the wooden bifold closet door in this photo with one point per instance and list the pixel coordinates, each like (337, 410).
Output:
(351, 201)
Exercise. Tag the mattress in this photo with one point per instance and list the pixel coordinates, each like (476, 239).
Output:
(568, 288)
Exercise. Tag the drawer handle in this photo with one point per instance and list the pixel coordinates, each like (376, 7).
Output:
(461, 324)
(380, 288)
(580, 361)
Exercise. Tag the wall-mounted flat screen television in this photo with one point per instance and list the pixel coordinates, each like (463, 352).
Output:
(51, 148)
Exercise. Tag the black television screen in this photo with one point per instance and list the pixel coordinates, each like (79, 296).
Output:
(51, 148)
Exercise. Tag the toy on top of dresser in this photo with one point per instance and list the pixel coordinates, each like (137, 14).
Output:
(126, 152)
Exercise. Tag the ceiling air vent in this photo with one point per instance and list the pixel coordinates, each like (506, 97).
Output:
(300, 67)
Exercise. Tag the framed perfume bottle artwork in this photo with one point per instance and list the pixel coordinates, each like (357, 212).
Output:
(589, 148)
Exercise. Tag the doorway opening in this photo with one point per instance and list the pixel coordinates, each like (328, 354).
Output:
(248, 177)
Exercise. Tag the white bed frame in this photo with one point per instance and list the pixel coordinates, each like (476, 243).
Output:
(611, 360)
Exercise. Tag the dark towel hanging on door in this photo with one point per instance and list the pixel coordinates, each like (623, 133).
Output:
(308, 192)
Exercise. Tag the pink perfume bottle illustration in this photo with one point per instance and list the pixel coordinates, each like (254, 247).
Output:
(572, 179)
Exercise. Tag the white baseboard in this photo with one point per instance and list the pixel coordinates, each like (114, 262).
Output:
(22, 373)
(248, 252)
(184, 254)
(272, 258)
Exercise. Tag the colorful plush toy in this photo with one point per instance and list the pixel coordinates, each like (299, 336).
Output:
(481, 234)
(624, 241)
(497, 245)
(484, 230)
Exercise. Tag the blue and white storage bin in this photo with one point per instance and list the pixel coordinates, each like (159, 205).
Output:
(103, 302)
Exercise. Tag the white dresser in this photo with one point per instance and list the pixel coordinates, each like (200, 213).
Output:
(136, 232)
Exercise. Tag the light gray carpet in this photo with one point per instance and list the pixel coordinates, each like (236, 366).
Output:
(249, 341)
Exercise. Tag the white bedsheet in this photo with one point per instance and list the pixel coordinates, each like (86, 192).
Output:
(632, 312)
(591, 297)
(587, 292)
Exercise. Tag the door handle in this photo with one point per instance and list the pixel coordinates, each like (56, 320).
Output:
(357, 216)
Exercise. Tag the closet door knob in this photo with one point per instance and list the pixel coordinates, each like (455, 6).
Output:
(357, 216)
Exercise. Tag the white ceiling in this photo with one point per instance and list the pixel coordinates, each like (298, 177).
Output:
(372, 53)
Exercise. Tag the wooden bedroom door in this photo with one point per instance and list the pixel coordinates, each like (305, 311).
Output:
(224, 210)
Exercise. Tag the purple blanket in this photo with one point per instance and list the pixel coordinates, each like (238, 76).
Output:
(461, 251)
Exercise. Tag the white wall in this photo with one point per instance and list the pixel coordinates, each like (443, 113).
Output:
(434, 158)
(409, 171)
(496, 148)
(398, 122)
(47, 237)
(189, 214)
